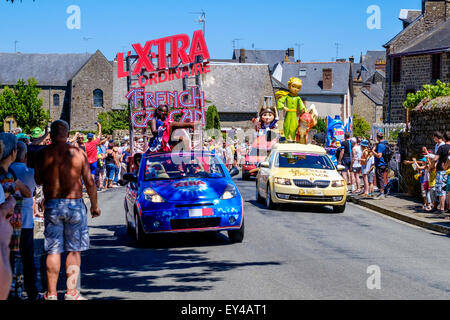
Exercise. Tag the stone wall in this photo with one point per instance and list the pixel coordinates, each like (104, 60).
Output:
(415, 72)
(56, 112)
(435, 116)
(363, 106)
(96, 74)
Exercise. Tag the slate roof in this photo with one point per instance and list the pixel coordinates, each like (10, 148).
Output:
(374, 93)
(312, 82)
(270, 57)
(47, 69)
(356, 71)
(237, 87)
(369, 61)
(436, 39)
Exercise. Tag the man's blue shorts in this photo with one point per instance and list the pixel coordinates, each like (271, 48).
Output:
(66, 228)
(93, 167)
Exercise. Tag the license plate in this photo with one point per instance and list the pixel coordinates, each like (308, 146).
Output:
(311, 192)
(202, 212)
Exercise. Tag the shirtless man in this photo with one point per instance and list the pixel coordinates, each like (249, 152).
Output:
(59, 169)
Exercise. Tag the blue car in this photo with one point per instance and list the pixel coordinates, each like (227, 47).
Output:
(183, 192)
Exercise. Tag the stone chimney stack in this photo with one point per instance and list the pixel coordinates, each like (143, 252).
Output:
(242, 56)
(327, 79)
(435, 10)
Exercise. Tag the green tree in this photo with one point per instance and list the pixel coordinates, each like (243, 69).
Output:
(212, 118)
(429, 92)
(321, 125)
(361, 128)
(22, 102)
(115, 120)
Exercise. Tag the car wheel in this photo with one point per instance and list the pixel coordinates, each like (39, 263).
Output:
(139, 232)
(245, 176)
(339, 209)
(259, 199)
(130, 230)
(269, 203)
(237, 236)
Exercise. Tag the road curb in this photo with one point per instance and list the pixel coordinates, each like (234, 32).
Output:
(420, 222)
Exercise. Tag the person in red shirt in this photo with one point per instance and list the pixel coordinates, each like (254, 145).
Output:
(91, 148)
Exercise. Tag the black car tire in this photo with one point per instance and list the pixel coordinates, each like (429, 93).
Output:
(245, 176)
(130, 230)
(140, 236)
(339, 209)
(237, 236)
(269, 203)
(259, 199)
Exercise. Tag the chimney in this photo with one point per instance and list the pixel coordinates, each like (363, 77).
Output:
(327, 79)
(242, 56)
(351, 59)
(435, 10)
(380, 65)
(290, 52)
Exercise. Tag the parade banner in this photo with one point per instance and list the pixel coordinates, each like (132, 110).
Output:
(189, 103)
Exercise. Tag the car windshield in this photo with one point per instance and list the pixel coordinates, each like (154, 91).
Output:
(303, 160)
(168, 166)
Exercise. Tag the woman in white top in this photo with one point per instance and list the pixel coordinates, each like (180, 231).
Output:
(356, 164)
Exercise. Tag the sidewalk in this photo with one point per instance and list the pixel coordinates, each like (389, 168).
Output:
(405, 208)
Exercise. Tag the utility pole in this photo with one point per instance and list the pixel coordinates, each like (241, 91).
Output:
(299, 45)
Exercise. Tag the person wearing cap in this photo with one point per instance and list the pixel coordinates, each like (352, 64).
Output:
(91, 149)
(24, 138)
(38, 137)
(379, 152)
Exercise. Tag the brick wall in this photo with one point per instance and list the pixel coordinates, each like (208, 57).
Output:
(96, 74)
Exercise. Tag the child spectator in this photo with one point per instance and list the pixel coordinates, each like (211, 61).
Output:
(425, 183)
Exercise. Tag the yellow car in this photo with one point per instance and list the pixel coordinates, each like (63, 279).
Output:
(300, 174)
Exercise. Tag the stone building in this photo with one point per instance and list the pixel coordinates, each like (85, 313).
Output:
(74, 87)
(418, 55)
(327, 85)
(368, 83)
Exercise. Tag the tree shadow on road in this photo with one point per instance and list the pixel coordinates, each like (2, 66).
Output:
(115, 263)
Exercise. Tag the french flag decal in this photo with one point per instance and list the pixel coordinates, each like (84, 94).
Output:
(204, 212)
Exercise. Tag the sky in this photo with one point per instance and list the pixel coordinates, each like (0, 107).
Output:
(112, 25)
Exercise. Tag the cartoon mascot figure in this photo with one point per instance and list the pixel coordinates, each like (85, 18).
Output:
(306, 122)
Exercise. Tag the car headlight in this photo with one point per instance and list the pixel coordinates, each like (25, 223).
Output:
(229, 193)
(283, 181)
(152, 196)
(338, 183)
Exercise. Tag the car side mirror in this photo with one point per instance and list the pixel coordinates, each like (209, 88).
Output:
(130, 177)
(264, 164)
(340, 167)
(234, 172)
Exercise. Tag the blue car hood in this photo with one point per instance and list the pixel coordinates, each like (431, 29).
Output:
(189, 189)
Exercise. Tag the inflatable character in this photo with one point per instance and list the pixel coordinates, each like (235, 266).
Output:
(293, 105)
(306, 122)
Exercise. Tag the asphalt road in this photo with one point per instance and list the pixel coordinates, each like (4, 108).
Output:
(290, 253)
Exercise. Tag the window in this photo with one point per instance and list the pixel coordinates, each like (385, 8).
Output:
(56, 100)
(435, 66)
(302, 73)
(98, 98)
(397, 69)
